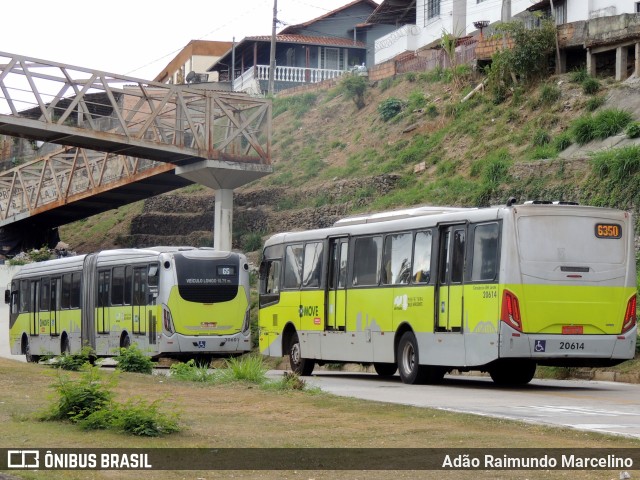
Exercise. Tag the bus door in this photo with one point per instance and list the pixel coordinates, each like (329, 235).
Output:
(450, 276)
(102, 307)
(54, 323)
(34, 321)
(335, 311)
(140, 300)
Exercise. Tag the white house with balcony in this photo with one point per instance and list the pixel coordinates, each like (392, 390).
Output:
(420, 24)
(323, 48)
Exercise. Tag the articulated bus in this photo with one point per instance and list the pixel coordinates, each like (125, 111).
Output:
(431, 290)
(170, 301)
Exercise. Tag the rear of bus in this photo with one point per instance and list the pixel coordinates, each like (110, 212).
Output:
(204, 300)
(569, 285)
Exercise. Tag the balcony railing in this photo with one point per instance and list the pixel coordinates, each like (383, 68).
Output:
(284, 74)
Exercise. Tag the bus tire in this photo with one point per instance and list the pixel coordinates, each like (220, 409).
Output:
(385, 369)
(300, 366)
(512, 372)
(65, 348)
(408, 359)
(26, 348)
(125, 341)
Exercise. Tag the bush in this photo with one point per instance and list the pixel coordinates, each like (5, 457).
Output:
(578, 76)
(549, 94)
(541, 138)
(75, 361)
(601, 126)
(354, 88)
(590, 86)
(620, 164)
(562, 141)
(190, 371)
(633, 130)
(79, 399)
(141, 418)
(249, 368)
(131, 359)
(594, 103)
(389, 108)
(386, 84)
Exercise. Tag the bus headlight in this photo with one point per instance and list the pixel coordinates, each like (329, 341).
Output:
(247, 321)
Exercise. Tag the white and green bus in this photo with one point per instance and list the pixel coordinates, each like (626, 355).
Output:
(430, 290)
(170, 301)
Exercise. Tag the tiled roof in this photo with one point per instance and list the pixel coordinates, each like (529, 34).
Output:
(292, 28)
(307, 40)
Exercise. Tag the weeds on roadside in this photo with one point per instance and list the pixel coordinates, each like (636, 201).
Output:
(132, 359)
(74, 361)
(88, 402)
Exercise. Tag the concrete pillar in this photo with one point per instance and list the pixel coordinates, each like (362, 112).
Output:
(621, 63)
(562, 65)
(636, 70)
(591, 63)
(223, 220)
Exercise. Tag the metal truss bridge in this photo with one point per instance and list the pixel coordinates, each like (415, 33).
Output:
(121, 139)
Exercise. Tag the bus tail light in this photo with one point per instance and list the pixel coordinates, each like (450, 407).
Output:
(630, 315)
(167, 321)
(510, 313)
(247, 320)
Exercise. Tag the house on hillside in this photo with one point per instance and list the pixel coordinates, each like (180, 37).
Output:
(323, 48)
(600, 26)
(190, 65)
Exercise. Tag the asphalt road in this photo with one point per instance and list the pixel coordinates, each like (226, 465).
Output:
(605, 407)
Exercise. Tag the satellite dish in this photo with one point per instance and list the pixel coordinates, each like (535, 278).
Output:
(191, 76)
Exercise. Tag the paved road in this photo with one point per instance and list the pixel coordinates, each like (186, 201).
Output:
(605, 407)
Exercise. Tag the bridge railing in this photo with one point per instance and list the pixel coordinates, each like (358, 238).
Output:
(74, 101)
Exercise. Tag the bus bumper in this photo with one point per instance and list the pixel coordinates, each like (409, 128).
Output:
(514, 344)
(191, 344)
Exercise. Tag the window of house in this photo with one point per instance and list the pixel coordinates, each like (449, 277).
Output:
(332, 58)
(432, 9)
(637, 7)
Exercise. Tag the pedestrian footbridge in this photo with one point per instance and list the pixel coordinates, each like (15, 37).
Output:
(122, 139)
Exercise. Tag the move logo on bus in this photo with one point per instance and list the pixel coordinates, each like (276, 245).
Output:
(309, 311)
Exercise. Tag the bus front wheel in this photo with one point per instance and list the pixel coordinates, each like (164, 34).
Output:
(385, 369)
(512, 372)
(26, 349)
(300, 366)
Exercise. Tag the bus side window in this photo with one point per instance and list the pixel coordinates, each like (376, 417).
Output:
(293, 266)
(24, 296)
(117, 286)
(397, 259)
(422, 257)
(74, 300)
(312, 269)
(45, 290)
(485, 252)
(367, 259)
(270, 277)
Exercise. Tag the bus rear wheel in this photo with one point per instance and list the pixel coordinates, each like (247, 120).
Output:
(65, 349)
(408, 360)
(300, 366)
(385, 369)
(512, 372)
(26, 349)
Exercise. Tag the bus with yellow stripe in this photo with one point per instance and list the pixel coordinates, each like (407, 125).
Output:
(169, 301)
(431, 290)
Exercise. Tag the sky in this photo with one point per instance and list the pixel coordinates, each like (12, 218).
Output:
(138, 38)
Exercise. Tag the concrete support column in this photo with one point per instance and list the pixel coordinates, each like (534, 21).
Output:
(621, 64)
(562, 66)
(636, 70)
(223, 220)
(591, 63)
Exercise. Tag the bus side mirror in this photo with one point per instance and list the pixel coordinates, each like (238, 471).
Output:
(7, 296)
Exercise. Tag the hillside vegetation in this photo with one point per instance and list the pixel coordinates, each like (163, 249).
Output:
(565, 138)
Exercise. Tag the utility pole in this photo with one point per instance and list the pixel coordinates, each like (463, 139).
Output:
(272, 59)
(553, 17)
